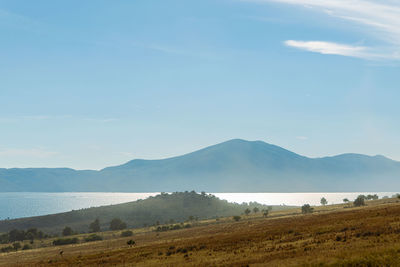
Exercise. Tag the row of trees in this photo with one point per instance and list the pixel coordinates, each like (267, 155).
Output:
(21, 235)
(256, 210)
(346, 200)
(94, 227)
(359, 201)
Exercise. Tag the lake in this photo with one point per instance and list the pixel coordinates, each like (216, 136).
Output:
(17, 205)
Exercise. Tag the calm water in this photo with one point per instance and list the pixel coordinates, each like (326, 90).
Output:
(16, 205)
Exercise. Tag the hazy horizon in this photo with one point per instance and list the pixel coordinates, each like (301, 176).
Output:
(189, 152)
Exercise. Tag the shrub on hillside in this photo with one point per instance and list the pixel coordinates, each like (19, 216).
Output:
(247, 211)
(93, 237)
(95, 226)
(65, 241)
(236, 218)
(117, 224)
(359, 201)
(17, 245)
(67, 231)
(306, 208)
(127, 233)
(26, 247)
(7, 249)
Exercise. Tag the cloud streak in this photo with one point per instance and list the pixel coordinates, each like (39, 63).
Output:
(379, 18)
(329, 48)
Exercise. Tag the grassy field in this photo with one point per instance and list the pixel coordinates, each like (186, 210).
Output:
(337, 235)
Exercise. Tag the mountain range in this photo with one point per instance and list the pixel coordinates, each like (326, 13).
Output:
(232, 166)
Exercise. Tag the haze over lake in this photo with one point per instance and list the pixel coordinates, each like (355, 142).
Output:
(27, 204)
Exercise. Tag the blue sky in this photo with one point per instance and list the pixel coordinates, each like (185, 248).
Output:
(89, 84)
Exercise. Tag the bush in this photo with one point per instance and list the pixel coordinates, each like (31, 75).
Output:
(236, 218)
(95, 226)
(306, 208)
(7, 249)
(26, 247)
(117, 224)
(126, 233)
(67, 231)
(17, 245)
(93, 237)
(65, 241)
(359, 201)
(131, 242)
(265, 213)
(21, 235)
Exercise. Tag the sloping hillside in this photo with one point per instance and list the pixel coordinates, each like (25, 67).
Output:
(163, 208)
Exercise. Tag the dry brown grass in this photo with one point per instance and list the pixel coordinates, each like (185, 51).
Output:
(333, 235)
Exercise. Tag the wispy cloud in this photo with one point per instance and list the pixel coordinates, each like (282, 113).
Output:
(380, 18)
(330, 48)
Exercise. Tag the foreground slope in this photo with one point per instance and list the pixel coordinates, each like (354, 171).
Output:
(332, 236)
(232, 166)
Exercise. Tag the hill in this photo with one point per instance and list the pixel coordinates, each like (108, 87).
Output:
(233, 166)
(163, 208)
(334, 235)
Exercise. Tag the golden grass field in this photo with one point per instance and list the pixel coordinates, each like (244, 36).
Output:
(337, 235)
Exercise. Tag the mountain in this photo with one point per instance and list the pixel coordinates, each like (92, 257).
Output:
(233, 166)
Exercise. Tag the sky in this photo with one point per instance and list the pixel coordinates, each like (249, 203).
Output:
(90, 84)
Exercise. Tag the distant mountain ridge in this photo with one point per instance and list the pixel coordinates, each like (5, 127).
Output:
(232, 166)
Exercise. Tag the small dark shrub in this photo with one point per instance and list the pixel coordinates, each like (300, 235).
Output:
(65, 241)
(67, 231)
(7, 249)
(93, 237)
(17, 245)
(131, 242)
(236, 218)
(126, 233)
(26, 247)
(306, 208)
(359, 201)
(117, 224)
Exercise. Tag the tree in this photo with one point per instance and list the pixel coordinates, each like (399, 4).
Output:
(131, 242)
(255, 210)
(324, 201)
(359, 201)
(117, 224)
(306, 208)
(346, 200)
(95, 226)
(247, 211)
(265, 213)
(17, 245)
(67, 231)
(236, 218)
